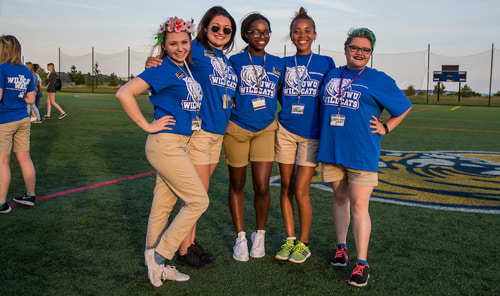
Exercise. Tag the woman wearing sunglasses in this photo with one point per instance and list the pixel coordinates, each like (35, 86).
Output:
(297, 137)
(353, 97)
(218, 80)
(251, 131)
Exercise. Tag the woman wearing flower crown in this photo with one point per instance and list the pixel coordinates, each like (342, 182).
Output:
(176, 98)
(218, 80)
(251, 130)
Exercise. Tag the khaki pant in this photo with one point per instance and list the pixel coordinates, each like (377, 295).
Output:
(176, 178)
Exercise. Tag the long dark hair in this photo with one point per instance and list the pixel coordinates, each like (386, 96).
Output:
(201, 35)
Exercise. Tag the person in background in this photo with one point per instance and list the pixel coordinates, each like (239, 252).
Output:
(32, 107)
(176, 97)
(17, 89)
(353, 98)
(51, 93)
(218, 80)
(38, 86)
(251, 131)
(297, 137)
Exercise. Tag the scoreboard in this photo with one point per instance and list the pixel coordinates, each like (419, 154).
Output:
(450, 76)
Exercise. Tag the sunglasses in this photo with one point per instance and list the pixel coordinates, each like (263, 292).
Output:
(355, 48)
(216, 29)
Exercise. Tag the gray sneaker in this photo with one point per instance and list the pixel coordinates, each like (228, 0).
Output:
(240, 249)
(172, 274)
(258, 239)
(155, 271)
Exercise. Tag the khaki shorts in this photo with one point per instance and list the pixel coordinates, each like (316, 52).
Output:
(15, 134)
(205, 147)
(332, 172)
(290, 148)
(242, 145)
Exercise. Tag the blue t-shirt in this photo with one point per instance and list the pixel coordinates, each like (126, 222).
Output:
(15, 82)
(254, 83)
(173, 92)
(312, 69)
(353, 145)
(213, 71)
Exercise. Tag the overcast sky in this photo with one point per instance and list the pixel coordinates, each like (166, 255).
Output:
(451, 27)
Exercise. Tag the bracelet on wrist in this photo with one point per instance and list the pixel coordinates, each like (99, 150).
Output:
(386, 128)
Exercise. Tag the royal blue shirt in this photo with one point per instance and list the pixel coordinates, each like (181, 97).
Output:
(173, 92)
(213, 71)
(15, 81)
(353, 145)
(254, 83)
(311, 72)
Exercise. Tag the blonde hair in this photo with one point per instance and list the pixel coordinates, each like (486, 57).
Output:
(51, 65)
(10, 50)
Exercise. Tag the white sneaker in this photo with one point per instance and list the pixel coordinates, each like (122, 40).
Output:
(172, 274)
(240, 249)
(258, 238)
(155, 271)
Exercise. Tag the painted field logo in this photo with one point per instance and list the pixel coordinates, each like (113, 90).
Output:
(456, 181)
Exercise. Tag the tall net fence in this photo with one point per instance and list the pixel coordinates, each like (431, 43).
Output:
(415, 69)
(122, 64)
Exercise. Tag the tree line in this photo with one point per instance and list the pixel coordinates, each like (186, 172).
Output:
(465, 91)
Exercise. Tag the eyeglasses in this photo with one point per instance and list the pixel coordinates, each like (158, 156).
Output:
(355, 48)
(225, 30)
(257, 33)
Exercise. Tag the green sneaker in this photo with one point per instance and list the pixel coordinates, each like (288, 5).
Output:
(300, 253)
(286, 249)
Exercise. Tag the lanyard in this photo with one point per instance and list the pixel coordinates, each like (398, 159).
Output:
(225, 69)
(342, 93)
(301, 80)
(255, 72)
(196, 98)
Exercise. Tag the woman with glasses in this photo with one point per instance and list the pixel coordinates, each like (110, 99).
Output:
(218, 80)
(297, 137)
(251, 130)
(353, 97)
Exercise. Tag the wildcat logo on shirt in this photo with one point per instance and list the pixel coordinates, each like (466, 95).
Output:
(20, 84)
(331, 95)
(249, 83)
(291, 87)
(220, 69)
(195, 95)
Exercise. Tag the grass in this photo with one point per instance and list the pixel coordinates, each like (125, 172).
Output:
(91, 242)
(453, 100)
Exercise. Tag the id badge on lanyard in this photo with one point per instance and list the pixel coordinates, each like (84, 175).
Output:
(337, 120)
(226, 99)
(258, 104)
(298, 108)
(196, 124)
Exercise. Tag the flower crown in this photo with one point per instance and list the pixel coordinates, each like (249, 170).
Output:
(174, 24)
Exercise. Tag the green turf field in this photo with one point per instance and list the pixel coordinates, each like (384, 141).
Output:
(435, 215)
